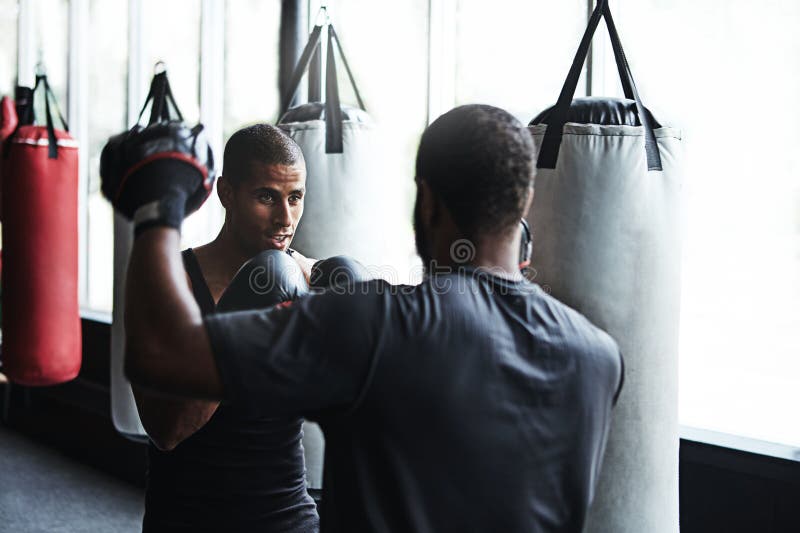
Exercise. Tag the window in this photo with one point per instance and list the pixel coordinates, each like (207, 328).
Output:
(49, 39)
(729, 79)
(252, 31)
(711, 71)
(106, 116)
(8, 46)
(516, 55)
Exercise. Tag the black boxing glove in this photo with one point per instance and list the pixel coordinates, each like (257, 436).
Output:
(269, 278)
(159, 174)
(339, 273)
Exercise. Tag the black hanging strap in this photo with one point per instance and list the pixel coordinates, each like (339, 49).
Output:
(315, 75)
(347, 67)
(160, 98)
(334, 144)
(158, 89)
(650, 143)
(301, 67)
(548, 154)
(52, 142)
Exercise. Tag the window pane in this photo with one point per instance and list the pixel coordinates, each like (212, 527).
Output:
(706, 72)
(108, 78)
(390, 68)
(50, 39)
(252, 30)
(515, 54)
(171, 33)
(8, 46)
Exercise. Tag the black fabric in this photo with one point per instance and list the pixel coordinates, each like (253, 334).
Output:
(601, 111)
(52, 143)
(310, 59)
(467, 403)
(242, 472)
(200, 290)
(334, 143)
(315, 75)
(305, 59)
(23, 99)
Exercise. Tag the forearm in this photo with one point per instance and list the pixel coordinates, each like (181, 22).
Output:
(169, 421)
(167, 348)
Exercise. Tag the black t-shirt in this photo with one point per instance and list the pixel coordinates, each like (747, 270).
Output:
(467, 403)
(243, 471)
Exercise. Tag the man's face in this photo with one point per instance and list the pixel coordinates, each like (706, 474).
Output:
(264, 209)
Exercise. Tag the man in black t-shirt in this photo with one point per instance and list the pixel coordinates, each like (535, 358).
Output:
(472, 402)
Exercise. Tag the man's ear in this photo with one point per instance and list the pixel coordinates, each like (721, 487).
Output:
(225, 192)
(528, 203)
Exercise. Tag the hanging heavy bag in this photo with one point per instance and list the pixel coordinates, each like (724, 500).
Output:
(166, 145)
(351, 205)
(41, 323)
(606, 241)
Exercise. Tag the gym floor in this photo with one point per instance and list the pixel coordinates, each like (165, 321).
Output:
(45, 491)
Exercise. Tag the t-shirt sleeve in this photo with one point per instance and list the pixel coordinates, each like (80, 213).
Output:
(311, 357)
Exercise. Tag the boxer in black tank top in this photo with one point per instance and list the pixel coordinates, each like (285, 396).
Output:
(239, 472)
(218, 467)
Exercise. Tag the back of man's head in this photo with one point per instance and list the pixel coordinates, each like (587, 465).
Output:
(479, 160)
(260, 143)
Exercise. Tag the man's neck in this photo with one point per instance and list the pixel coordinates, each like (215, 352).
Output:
(222, 257)
(499, 257)
(500, 261)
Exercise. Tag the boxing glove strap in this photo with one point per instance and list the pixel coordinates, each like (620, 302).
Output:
(169, 212)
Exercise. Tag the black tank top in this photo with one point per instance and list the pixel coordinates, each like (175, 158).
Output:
(241, 472)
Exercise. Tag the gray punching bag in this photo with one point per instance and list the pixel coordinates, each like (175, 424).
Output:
(606, 225)
(124, 414)
(351, 204)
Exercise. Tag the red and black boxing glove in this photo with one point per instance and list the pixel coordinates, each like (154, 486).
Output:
(158, 174)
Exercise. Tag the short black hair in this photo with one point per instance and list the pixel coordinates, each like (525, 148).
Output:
(479, 160)
(261, 143)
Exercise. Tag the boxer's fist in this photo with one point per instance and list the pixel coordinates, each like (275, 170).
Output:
(157, 175)
(269, 278)
(339, 272)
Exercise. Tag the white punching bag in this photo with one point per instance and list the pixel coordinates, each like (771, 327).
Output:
(352, 204)
(123, 407)
(606, 225)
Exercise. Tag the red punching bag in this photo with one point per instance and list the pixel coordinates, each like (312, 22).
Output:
(41, 323)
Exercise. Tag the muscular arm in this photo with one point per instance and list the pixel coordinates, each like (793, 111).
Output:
(167, 347)
(169, 420)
